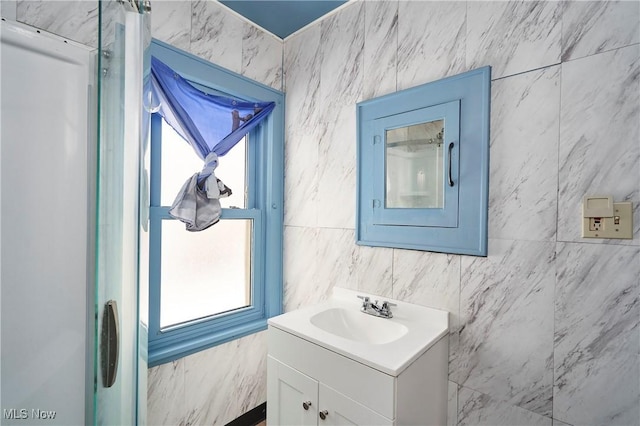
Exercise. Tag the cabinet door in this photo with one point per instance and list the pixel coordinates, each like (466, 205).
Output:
(415, 167)
(292, 397)
(338, 409)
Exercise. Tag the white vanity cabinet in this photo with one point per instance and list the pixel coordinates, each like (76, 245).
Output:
(301, 399)
(306, 380)
(292, 396)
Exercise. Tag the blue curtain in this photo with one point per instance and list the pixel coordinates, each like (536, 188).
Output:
(212, 125)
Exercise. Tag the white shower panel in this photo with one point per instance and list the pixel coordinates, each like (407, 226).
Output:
(46, 242)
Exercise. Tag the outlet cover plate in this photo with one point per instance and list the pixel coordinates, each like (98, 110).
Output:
(623, 214)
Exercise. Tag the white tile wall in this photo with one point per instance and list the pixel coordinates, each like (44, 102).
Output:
(337, 173)
(166, 400)
(171, 23)
(261, 57)
(336, 259)
(506, 305)
(380, 48)
(216, 34)
(596, 338)
(301, 284)
(428, 279)
(226, 381)
(599, 136)
(341, 67)
(76, 20)
(513, 37)
(587, 27)
(478, 409)
(565, 88)
(524, 156)
(303, 129)
(374, 270)
(431, 41)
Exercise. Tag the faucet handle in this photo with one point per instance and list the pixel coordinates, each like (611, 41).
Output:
(365, 301)
(385, 309)
(386, 305)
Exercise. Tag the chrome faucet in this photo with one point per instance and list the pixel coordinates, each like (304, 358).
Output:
(382, 311)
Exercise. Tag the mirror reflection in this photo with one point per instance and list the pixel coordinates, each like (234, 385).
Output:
(415, 166)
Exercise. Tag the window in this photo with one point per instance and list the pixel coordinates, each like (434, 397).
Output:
(213, 286)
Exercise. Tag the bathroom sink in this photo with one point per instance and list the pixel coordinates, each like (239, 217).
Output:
(355, 325)
(389, 345)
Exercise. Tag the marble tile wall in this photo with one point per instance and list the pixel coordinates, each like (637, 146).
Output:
(202, 27)
(75, 20)
(545, 329)
(220, 384)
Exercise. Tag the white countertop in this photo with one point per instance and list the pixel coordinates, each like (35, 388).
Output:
(424, 327)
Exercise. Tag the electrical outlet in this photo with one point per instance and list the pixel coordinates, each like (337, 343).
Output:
(618, 225)
(595, 223)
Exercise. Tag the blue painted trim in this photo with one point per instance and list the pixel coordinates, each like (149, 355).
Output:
(470, 235)
(207, 74)
(264, 207)
(155, 159)
(155, 226)
(185, 347)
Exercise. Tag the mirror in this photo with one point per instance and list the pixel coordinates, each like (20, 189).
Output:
(414, 166)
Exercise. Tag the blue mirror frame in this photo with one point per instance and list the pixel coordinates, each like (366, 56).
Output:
(468, 162)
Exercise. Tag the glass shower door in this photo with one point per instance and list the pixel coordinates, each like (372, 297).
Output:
(120, 345)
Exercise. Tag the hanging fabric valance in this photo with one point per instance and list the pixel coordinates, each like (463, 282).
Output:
(212, 125)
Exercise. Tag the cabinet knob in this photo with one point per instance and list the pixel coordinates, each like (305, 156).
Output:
(323, 414)
(306, 405)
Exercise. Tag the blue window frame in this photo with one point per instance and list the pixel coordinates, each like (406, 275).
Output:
(263, 210)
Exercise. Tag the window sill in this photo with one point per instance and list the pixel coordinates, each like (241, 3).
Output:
(167, 352)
